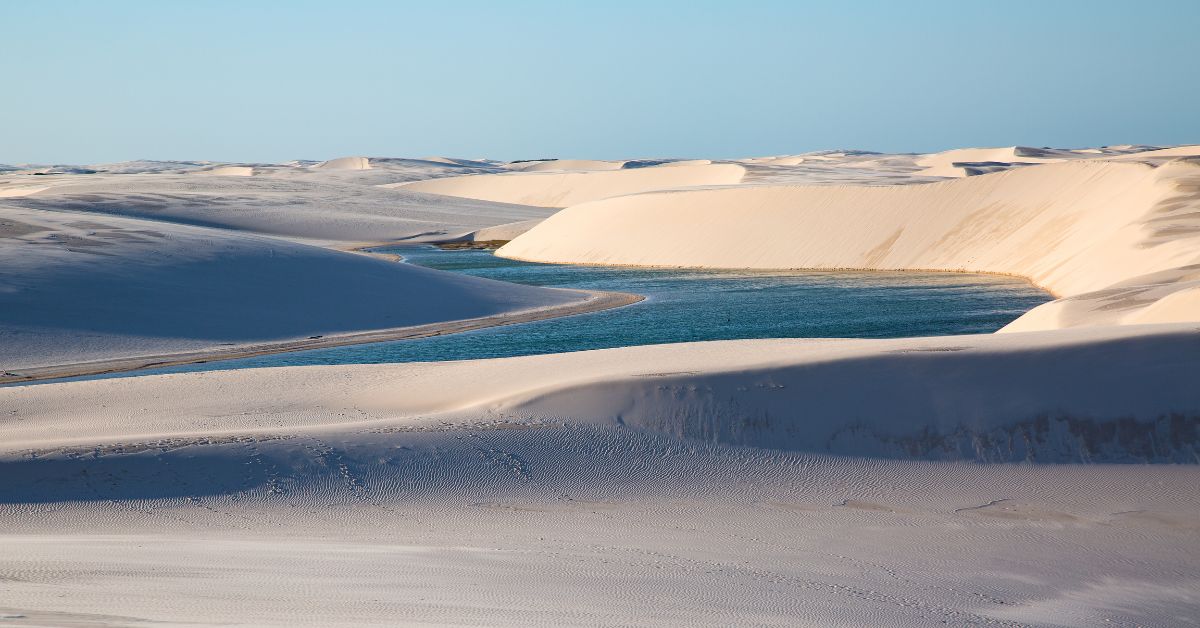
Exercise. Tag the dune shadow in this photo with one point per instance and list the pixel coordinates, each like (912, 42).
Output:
(145, 475)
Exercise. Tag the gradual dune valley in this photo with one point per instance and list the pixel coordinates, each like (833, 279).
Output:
(835, 388)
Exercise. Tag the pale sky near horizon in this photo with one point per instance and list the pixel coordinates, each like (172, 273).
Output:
(91, 82)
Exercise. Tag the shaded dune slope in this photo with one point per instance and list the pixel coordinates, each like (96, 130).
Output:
(311, 208)
(79, 288)
(1116, 394)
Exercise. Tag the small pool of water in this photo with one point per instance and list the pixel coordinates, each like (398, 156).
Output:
(689, 305)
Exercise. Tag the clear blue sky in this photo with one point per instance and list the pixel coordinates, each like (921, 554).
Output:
(87, 82)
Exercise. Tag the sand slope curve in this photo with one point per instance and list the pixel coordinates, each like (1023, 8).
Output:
(78, 288)
(1115, 394)
(1076, 228)
(485, 492)
(560, 189)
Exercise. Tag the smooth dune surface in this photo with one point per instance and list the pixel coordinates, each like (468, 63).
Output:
(936, 398)
(78, 288)
(626, 480)
(1111, 237)
(14, 191)
(1162, 153)
(227, 171)
(345, 163)
(503, 232)
(556, 165)
(560, 189)
(323, 205)
(962, 162)
(956, 163)
(1045, 476)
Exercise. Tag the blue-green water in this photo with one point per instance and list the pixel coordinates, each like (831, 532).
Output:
(689, 305)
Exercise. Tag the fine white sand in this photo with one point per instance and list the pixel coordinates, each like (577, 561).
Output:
(503, 232)
(227, 171)
(559, 189)
(622, 486)
(326, 204)
(566, 165)
(962, 162)
(14, 191)
(938, 398)
(77, 288)
(1115, 237)
(345, 163)
(1042, 477)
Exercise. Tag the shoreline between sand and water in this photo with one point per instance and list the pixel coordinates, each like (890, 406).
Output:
(390, 251)
(596, 302)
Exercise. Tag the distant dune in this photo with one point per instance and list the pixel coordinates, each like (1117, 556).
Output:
(555, 189)
(345, 163)
(784, 160)
(1114, 237)
(566, 165)
(962, 162)
(327, 205)
(1162, 153)
(953, 163)
(454, 161)
(228, 171)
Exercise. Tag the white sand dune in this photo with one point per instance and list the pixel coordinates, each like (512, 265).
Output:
(502, 232)
(1109, 235)
(949, 163)
(560, 189)
(227, 171)
(13, 191)
(456, 161)
(629, 481)
(784, 160)
(152, 166)
(684, 162)
(963, 162)
(317, 206)
(566, 165)
(78, 288)
(931, 398)
(1040, 478)
(1174, 151)
(836, 168)
(345, 163)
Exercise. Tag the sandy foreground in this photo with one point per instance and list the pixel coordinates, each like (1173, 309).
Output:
(1042, 476)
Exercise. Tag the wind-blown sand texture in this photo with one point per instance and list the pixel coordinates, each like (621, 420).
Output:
(566, 165)
(681, 484)
(315, 204)
(963, 162)
(1045, 478)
